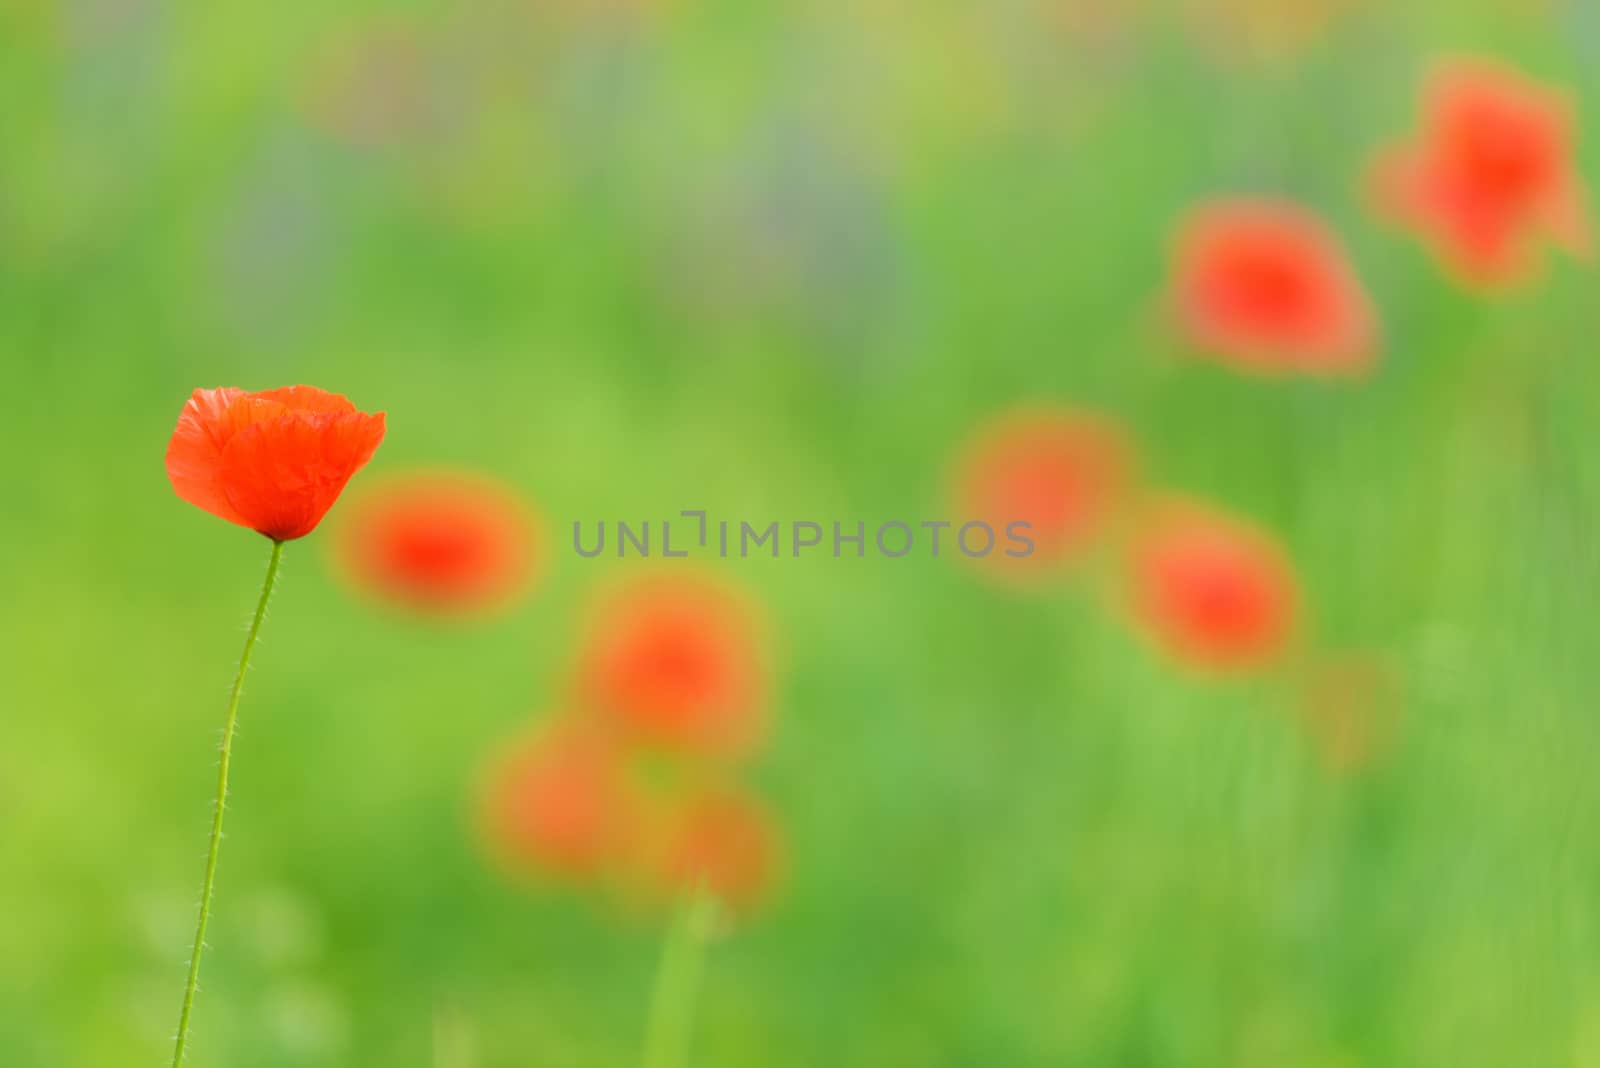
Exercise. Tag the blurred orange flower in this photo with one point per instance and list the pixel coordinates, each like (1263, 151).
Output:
(562, 804)
(1063, 472)
(1213, 591)
(439, 542)
(273, 461)
(676, 662)
(724, 842)
(1490, 174)
(1264, 285)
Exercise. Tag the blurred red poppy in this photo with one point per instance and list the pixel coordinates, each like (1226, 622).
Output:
(676, 662)
(1264, 285)
(439, 543)
(723, 842)
(1060, 471)
(273, 461)
(1490, 174)
(1213, 591)
(562, 804)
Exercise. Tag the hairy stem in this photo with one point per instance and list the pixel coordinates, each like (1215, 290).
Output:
(222, 797)
(678, 981)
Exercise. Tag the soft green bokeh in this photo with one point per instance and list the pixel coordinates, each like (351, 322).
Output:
(776, 263)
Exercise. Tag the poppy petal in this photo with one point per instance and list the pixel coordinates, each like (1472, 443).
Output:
(308, 399)
(282, 476)
(194, 455)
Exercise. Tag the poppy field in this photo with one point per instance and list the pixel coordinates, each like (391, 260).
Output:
(692, 533)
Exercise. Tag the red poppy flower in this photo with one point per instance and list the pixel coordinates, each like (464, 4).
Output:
(562, 804)
(723, 842)
(273, 461)
(1213, 591)
(676, 663)
(1062, 472)
(1265, 286)
(1489, 175)
(439, 543)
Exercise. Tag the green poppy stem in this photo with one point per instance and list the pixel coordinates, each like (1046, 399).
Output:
(678, 981)
(222, 797)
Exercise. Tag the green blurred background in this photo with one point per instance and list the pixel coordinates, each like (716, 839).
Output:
(777, 262)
